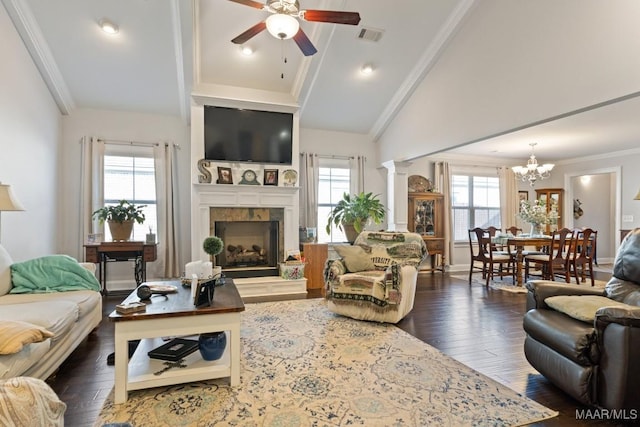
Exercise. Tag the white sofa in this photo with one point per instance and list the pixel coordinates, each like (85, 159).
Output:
(69, 315)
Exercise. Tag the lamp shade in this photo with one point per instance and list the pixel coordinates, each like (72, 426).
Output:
(637, 196)
(282, 26)
(8, 201)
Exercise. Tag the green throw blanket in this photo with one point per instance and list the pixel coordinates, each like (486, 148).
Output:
(53, 273)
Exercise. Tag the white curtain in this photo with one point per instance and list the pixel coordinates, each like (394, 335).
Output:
(443, 184)
(508, 197)
(309, 175)
(357, 166)
(168, 225)
(91, 188)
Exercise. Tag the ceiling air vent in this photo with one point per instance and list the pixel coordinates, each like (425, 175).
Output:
(370, 34)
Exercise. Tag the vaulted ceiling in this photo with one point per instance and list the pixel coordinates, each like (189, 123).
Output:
(167, 50)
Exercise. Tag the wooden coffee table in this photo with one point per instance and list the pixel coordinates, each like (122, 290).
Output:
(171, 316)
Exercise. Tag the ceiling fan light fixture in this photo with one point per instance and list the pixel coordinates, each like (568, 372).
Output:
(108, 27)
(282, 26)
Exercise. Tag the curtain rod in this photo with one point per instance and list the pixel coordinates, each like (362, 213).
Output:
(327, 156)
(136, 143)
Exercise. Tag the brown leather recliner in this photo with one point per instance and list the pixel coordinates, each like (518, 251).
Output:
(598, 362)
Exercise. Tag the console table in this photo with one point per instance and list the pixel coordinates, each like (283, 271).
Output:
(140, 252)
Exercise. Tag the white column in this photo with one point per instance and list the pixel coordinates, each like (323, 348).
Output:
(397, 194)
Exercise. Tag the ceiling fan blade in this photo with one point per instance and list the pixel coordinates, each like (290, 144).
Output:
(304, 43)
(336, 17)
(250, 3)
(253, 31)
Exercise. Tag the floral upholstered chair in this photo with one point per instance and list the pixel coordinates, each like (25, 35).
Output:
(375, 279)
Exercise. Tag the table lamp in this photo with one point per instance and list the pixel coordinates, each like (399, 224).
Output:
(8, 202)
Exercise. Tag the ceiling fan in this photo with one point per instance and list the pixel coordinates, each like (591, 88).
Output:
(283, 23)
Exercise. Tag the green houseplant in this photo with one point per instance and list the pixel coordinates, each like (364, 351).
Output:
(120, 218)
(352, 213)
(213, 245)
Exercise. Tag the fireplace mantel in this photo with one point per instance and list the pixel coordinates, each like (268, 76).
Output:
(206, 196)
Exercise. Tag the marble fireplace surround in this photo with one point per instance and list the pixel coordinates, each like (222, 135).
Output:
(206, 196)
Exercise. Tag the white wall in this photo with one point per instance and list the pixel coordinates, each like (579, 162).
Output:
(328, 143)
(29, 141)
(126, 126)
(511, 64)
(591, 190)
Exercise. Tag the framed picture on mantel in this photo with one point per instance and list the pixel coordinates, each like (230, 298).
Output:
(224, 176)
(270, 177)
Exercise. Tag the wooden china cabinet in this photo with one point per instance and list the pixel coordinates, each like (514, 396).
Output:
(552, 197)
(426, 217)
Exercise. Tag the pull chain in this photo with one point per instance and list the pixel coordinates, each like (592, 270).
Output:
(283, 56)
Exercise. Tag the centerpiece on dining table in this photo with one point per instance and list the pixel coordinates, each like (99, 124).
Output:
(536, 214)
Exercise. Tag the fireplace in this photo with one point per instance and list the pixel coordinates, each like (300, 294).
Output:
(253, 240)
(254, 199)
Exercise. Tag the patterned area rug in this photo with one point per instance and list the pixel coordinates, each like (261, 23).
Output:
(305, 366)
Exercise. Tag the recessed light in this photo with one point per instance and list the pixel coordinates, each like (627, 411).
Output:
(366, 69)
(108, 27)
(247, 50)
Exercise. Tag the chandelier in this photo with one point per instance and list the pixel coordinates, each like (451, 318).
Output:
(532, 172)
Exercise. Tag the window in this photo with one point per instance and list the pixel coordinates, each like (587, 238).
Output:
(333, 183)
(131, 176)
(476, 203)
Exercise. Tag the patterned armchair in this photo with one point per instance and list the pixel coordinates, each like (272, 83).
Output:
(375, 279)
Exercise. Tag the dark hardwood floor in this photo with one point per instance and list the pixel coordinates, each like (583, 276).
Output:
(480, 327)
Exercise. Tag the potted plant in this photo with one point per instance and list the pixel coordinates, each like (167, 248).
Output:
(120, 218)
(213, 245)
(352, 213)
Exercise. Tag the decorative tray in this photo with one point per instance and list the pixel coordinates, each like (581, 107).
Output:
(419, 184)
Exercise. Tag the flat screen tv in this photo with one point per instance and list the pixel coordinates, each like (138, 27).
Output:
(239, 135)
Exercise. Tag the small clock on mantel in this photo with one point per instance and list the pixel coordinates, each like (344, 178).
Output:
(249, 177)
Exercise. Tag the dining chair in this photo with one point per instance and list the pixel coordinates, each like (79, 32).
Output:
(556, 261)
(514, 230)
(478, 252)
(493, 231)
(583, 254)
(496, 260)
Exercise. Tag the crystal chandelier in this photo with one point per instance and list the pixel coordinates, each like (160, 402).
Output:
(532, 172)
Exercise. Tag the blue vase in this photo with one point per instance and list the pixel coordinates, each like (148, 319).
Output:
(212, 345)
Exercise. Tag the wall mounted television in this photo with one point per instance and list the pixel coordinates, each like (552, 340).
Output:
(240, 135)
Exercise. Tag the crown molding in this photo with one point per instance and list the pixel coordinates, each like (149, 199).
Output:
(33, 39)
(183, 98)
(424, 65)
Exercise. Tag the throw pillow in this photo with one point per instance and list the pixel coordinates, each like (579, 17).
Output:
(355, 258)
(26, 401)
(15, 334)
(580, 307)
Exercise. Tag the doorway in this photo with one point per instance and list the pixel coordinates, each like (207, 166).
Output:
(593, 200)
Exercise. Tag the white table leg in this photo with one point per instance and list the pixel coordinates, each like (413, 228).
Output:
(234, 358)
(121, 368)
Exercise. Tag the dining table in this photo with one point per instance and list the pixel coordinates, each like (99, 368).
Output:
(519, 243)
